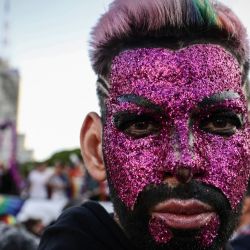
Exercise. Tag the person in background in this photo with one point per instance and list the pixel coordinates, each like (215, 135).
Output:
(7, 184)
(16, 238)
(76, 176)
(58, 183)
(38, 182)
(34, 226)
(14, 235)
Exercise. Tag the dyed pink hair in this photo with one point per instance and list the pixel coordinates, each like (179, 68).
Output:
(128, 22)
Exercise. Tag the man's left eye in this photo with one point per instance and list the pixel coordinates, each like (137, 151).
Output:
(225, 124)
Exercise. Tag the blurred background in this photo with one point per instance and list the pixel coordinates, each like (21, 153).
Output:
(46, 88)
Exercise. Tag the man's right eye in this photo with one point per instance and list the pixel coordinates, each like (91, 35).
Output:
(137, 126)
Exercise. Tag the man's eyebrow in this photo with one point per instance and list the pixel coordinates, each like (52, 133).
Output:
(140, 101)
(217, 98)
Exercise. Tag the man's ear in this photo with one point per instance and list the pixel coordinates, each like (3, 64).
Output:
(91, 146)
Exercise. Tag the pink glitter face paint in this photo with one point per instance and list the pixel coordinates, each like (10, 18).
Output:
(176, 109)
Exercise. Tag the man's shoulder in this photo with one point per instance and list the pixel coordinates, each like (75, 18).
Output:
(82, 218)
(87, 212)
(242, 239)
(88, 226)
(229, 247)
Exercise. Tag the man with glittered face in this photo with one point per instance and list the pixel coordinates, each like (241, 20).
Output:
(173, 136)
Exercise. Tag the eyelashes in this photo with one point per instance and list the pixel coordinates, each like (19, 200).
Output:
(137, 126)
(221, 122)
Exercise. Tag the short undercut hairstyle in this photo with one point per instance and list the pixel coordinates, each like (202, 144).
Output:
(170, 24)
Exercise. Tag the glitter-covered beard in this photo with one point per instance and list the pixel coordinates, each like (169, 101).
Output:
(136, 223)
(185, 87)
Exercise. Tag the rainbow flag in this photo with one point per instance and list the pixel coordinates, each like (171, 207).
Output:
(8, 219)
(10, 205)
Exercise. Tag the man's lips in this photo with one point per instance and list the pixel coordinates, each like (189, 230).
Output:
(184, 214)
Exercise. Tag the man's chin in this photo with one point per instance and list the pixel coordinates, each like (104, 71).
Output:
(198, 218)
(199, 233)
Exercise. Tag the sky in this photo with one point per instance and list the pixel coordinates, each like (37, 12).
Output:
(49, 43)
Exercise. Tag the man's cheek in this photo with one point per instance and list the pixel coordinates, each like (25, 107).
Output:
(227, 163)
(131, 164)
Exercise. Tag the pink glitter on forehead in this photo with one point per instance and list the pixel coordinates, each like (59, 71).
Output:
(176, 81)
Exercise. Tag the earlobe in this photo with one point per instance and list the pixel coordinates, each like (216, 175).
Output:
(91, 146)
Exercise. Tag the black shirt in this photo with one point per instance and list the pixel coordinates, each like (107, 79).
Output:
(86, 227)
(241, 243)
(242, 240)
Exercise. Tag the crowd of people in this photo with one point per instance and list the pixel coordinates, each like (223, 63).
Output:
(63, 182)
(47, 191)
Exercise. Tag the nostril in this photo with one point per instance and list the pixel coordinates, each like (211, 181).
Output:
(167, 175)
(184, 175)
(170, 180)
(199, 175)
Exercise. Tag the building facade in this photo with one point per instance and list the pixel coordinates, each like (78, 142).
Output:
(10, 142)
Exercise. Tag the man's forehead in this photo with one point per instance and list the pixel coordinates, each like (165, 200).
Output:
(200, 67)
(167, 61)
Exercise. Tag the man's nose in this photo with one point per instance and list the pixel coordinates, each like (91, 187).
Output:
(185, 164)
(182, 174)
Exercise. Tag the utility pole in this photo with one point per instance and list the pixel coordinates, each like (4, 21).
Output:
(5, 37)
